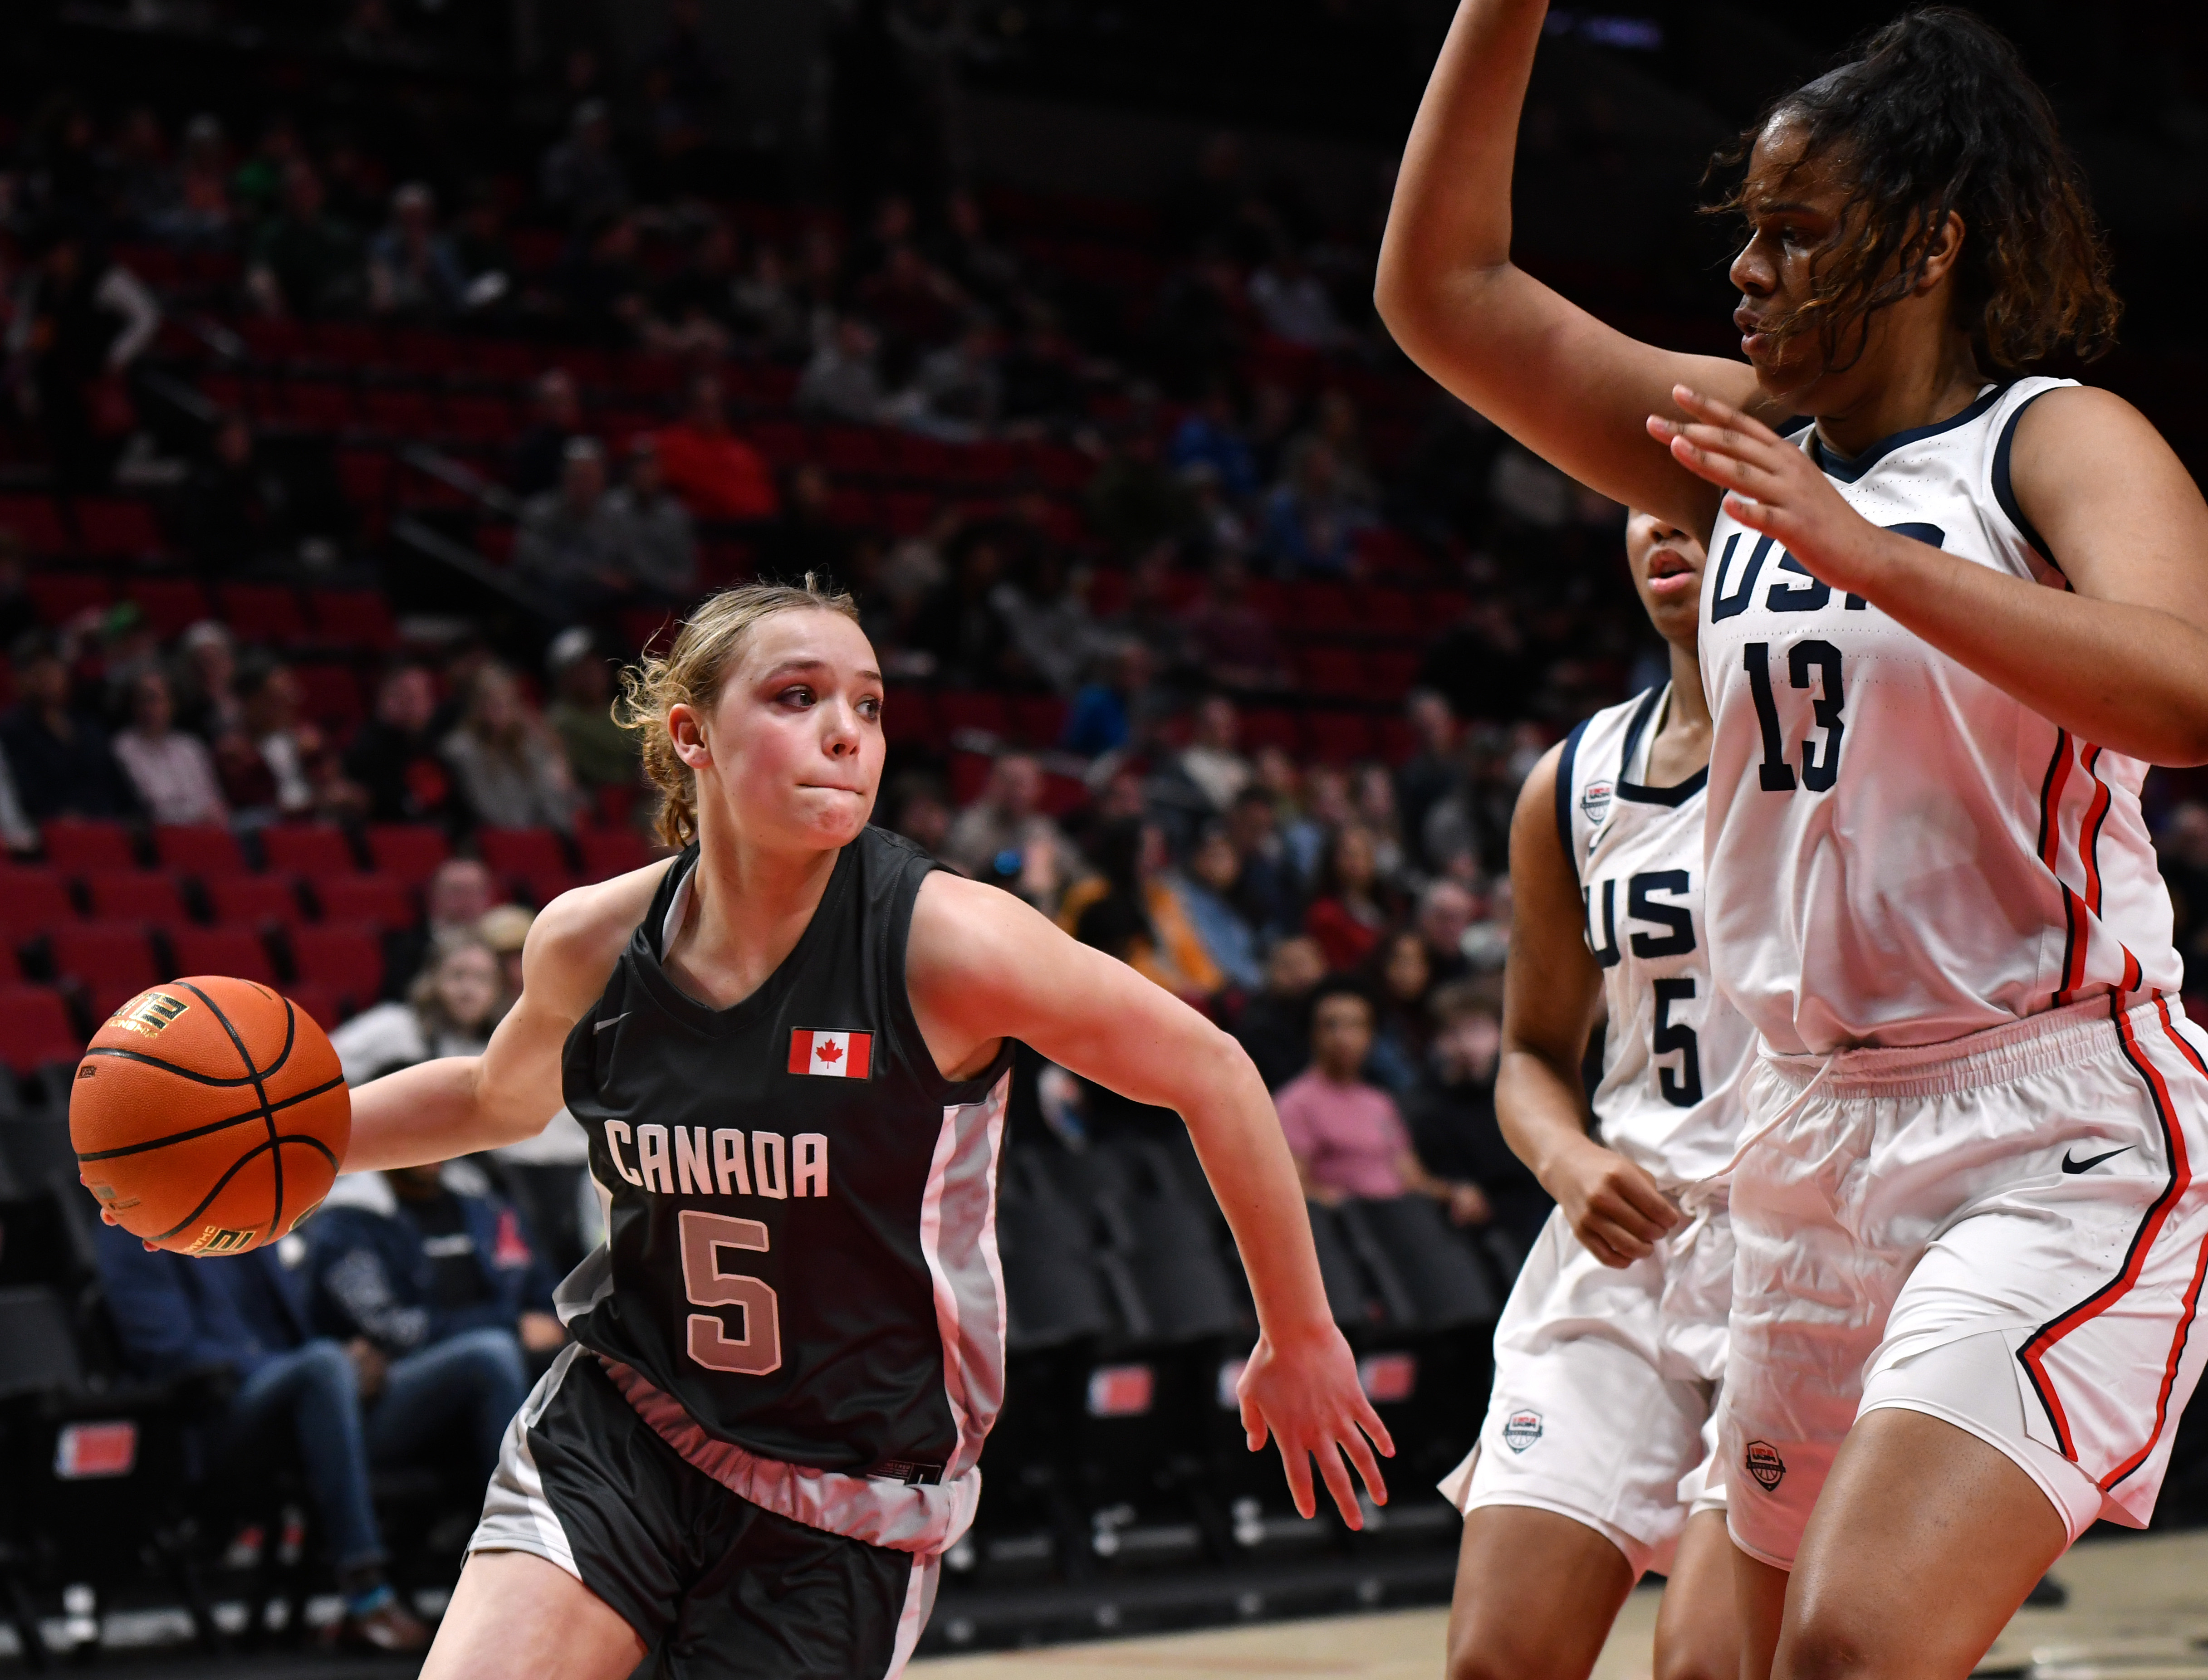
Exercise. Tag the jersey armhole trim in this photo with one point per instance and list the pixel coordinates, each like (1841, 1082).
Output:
(905, 1022)
(1564, 766)
(2004, 489)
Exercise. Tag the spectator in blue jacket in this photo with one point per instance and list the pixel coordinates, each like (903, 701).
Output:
(440, 1275)
(247, 1312)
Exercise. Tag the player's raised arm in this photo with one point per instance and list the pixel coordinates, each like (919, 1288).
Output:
(982, 965)
(1574, 391)
(438, 1109)
(1551, 988)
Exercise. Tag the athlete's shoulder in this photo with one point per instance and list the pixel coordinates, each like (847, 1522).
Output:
(578, 938)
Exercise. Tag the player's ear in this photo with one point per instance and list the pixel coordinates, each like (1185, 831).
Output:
(687, 725)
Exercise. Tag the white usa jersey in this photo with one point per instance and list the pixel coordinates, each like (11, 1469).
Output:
(1674, 1053)
(1899, 853)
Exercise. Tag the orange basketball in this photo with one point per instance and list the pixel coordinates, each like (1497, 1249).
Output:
(209, 1115)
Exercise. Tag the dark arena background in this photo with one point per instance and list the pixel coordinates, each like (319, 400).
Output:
(380, 373)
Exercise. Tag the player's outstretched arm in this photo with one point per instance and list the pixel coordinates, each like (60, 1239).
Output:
(1571, 389)
(982, 965)
(1550, 990)
(455, 1105)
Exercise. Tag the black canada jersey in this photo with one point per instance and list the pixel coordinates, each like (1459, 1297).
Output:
(800, 1239)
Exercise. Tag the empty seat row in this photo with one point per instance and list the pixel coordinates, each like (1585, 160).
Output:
(358, 621)
(112, 962)
(37, 900)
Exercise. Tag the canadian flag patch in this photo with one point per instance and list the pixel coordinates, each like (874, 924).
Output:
(840, 1055)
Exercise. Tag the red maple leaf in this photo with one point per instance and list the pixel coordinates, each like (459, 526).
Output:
(831, 1053)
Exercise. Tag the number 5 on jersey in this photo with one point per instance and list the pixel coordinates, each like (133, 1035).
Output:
(759, 1350)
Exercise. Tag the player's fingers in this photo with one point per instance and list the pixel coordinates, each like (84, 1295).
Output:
(1640, 1193)
(1625, 1242)
(1614, 1207)
(1369, 1421)
(1335, 1474)
(1353, 1442)
(1714, 410)
(1297, 1466)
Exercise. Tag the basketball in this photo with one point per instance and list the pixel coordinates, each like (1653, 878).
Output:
(209, 1115)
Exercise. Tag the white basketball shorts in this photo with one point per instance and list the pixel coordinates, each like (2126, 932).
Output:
(2006, 1231)
(1605, 1386)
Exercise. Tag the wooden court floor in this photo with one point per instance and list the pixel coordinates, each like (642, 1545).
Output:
(2137, 1611)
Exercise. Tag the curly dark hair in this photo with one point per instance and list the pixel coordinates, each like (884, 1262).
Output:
(1935, 113)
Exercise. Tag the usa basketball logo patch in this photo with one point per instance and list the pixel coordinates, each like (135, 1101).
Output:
(1761, 1460)
(1594, 803)
(832, 1055)
(1521, 1429)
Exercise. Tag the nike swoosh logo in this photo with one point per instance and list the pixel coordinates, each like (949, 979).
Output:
(2091, 1161)
(624, 1016)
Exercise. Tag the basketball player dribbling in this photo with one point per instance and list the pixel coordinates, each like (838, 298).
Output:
(790, 1046)
(1596, 1461)
(1950, 617)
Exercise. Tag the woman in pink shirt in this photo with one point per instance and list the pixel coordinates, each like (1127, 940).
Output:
(1348, 1139)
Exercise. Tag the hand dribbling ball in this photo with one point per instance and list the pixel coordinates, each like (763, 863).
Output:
(209, 1116)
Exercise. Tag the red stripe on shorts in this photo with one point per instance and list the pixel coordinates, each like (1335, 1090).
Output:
(2034, 1351)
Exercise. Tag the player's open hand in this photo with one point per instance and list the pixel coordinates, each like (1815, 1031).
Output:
(1302, 1393)
(1772, 487)
(1616, 1210)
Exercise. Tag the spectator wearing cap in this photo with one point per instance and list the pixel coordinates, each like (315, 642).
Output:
(394, 757)
(600, 752)
(171, 770)
(568, 545)
(60, 757)
(412, 272)
(653, 541)
(1346, 1135)
(717, 474)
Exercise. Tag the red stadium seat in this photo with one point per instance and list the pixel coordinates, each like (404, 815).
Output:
(60, 596)
(1337, 737)
(112, 528)
(371, 900)
(1395, 670)
(33, 902)
(348, 960)
(1387, 612)
(85, 843)
(207, 850)
(349, 343)
(909, 718)
(330, 695)
(38, 521)
(611, 851)
(144, 896)
(11, 971)
(253, 901)
(35, 1029)
(405, 415)
(480, 419)
(532, 856)
(170, 604)
(312, 849)
(1324, 608)
(409, 851)
(113, 962)
(1399, 741)
(315, 406)
(263, 613)
(1038, 720)
(237, 951)
(1337, 673)
(317, 1001)
(1271, 726)
(358, 618)
(365, 475)
(985, 713)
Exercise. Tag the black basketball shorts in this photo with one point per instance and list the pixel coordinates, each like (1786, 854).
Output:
(717, 1587)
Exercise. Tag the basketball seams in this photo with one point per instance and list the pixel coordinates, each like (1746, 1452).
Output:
(213, 1126)
(274, 1147)
(261, 1090)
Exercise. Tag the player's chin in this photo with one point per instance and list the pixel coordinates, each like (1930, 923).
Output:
(835, 815)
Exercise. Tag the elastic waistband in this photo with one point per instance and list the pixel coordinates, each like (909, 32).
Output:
(2037, 1044)
(926, 1518)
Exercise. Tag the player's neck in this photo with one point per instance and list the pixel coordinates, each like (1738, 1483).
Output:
(1682, 744)
(749, 906)
(1930, 376)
